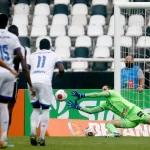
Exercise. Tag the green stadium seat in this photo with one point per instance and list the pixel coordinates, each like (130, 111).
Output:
(81, 52)
(61, 9)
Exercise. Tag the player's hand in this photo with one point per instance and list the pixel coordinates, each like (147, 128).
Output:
(140, 89)
(33, 91)
(73, 105)
(14, 72)
(78, 95)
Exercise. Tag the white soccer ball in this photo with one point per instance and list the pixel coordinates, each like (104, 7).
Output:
(61, 95)
(90, 131)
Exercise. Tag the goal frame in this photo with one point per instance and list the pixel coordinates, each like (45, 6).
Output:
(117, 59)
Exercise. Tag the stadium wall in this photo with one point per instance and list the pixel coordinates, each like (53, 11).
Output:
(60, 116)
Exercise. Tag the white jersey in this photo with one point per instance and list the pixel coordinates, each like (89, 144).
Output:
(8, 44)
(42, 66)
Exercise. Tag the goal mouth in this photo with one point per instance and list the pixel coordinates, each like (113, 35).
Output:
(132, 38)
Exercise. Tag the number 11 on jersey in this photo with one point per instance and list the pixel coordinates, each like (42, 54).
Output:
(41, 61)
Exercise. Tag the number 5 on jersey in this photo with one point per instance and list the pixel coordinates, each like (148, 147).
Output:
(41, 61)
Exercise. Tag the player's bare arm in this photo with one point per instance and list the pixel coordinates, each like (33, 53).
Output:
(60, 66)
(4, 65)
(26, 71)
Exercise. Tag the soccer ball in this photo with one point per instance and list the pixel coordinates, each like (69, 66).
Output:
(61, 95)
(90, 131)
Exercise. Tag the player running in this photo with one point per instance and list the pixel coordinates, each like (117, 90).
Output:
(9, 44)
(17, 61)
(42, 64)
(131, 115)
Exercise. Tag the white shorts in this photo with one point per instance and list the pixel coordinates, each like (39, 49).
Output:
(7, 80)
(44, 94)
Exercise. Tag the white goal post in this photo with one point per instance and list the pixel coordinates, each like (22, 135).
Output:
(117, 11)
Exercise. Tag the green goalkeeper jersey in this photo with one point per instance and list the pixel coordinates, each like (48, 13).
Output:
(117, 104)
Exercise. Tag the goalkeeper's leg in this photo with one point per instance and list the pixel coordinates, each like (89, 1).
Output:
(122, 123)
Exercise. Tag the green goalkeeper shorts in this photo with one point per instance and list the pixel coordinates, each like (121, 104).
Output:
(135, 116)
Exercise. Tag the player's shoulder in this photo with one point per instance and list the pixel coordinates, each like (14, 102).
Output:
(112, 92)
(11, 35)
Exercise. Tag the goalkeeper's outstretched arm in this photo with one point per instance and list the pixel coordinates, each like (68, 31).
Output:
(93, 110)
(98, 94)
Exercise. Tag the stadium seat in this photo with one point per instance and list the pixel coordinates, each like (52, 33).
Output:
(95, 30)
(142, 53)
(42, 1)
(79, 9)
(20, 19)
(122, 65)
(23, 31)
(41, 20)
(100, 66)
(66, 2)
(21, 9)
(22, 1)
(125, 51)
(63, 52)
(40, 38)
(4, 8)
(104, 41)
(122, 18)
(57, 30)
(79, 20)
(79, 66)
(134, 31)
(60, 19)
(143, 41)
(140, 0)
(100, 2)
(76, 30)
(126, 41)
(148, 31)
(42, 9)
(120, 1)
(86, 2)
(99, 10)
(25, 41)
(97, 20)
(136, 20)
(111, 30)
(81, 52)
(38, 31)
(61, 9)
(63, 41)
(83, 41)
(101, 52)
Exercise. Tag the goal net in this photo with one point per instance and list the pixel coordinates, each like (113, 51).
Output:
(134, 37)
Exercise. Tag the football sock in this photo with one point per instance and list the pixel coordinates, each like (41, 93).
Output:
(111, 128)
(34, 120)
(4, 121)
(44, 123)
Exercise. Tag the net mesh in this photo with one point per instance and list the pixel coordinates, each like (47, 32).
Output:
(136, 42)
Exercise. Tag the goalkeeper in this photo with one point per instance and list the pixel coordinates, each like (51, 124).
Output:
(131, 115)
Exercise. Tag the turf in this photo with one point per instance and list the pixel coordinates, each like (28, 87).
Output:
(84, 143)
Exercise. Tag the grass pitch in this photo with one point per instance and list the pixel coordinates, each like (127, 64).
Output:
(84, 143)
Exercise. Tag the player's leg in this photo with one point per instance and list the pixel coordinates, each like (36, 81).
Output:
(122, 123)
(34, 119)
(6, 92)
(45, 97)
(11, 105)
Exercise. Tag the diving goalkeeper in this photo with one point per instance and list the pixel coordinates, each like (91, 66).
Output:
(131, 115)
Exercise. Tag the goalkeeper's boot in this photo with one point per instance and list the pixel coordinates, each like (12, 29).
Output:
(113, 135)
(33, 140)
(3, 144)
(41, 142)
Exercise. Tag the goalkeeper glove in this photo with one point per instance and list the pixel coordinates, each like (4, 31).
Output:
(78, 95)
(73, 105)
